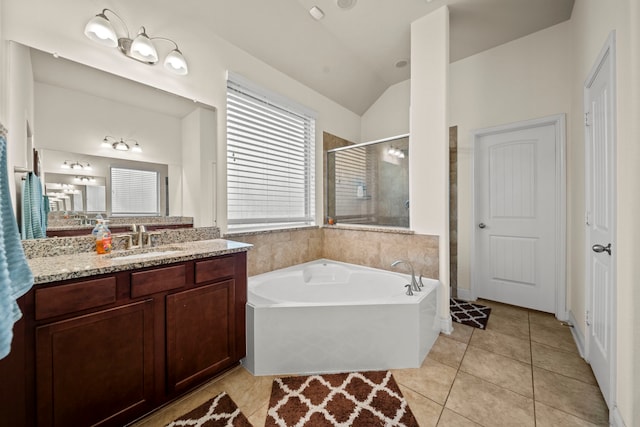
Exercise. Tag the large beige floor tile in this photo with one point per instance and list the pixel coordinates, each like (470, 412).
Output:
(259, 417)
(500, 370)
(426, 411)
(452, 419)
(461, 332)
(489, 404)
(562, 362)
(569, 395)
(511, 326)
(505, 345)
(432, 380)
(544, 319)
(560, 338)
(546, 416)
(249, 392)
(448, 351)
(505, 310)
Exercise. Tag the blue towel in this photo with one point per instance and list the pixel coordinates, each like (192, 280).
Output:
(15, 276)
(34, 217)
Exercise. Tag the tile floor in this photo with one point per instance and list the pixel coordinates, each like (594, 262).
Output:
(523, 370)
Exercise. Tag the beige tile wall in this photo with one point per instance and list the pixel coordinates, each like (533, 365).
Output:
(380, 249)
(279, 249)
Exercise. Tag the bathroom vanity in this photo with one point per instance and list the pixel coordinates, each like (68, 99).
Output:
(116, 336)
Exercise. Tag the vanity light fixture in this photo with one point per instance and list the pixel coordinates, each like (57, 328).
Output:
(141, 48)
(76, 166)
(121, 145)
(85, 178)
(396, 152)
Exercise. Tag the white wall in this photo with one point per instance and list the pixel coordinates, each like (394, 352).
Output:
(429, 142)
(198, 135)
(524, 79)
(20, 111)
(389, 115)
(57, 27)
(76, 122)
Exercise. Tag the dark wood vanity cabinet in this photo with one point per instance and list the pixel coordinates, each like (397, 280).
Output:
(105, 351)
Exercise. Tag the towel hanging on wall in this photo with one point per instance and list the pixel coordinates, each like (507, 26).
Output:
(34, 216)
(15, 276)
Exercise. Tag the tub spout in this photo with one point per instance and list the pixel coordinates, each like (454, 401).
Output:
(414, 283)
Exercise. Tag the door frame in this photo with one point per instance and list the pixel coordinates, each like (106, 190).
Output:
(608, 50)
(559, 123)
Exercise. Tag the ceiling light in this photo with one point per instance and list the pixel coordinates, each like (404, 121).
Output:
(346, 4)
(120, 144)
(141, 48)
(316, 12)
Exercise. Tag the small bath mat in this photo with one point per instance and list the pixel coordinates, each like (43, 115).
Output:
(467, 313)
(220, 411)
(359, 399)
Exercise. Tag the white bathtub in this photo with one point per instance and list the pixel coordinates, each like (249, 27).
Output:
(326, 316)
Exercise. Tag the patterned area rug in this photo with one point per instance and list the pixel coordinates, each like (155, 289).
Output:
(220, 411)
(467, 313)
(361, 399)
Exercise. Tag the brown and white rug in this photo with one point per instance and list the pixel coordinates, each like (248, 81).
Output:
(468, 313)
(220, 411)
(359, 399)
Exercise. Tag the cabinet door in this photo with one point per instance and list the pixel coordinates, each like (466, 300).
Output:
(200, 334)
(96, 369)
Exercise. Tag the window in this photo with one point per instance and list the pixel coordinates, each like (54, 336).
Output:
(96, 198)
(270, 159)
(134, 192)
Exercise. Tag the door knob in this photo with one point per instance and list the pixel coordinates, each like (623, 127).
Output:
(600, 248)
(482, 225)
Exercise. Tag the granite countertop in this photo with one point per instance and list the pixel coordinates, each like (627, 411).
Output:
(71, 266)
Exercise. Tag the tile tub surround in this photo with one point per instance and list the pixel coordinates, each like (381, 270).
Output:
(55, 246)
(374, 247)
(85, 264)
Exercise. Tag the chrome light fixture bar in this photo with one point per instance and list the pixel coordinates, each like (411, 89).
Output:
(76, 165)
(141, 48)
(121, 145)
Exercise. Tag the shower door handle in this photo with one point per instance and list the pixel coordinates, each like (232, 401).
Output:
(482, 225)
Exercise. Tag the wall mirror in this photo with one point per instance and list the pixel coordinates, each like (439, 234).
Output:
(92, 191)
(368, 183)
(76, 107)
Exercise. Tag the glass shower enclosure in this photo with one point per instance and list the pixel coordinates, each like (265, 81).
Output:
(368, 183)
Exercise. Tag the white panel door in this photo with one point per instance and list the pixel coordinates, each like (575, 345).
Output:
(600, 199)
(515, 212)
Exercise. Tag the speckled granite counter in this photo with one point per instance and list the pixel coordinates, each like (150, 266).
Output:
(64, 267)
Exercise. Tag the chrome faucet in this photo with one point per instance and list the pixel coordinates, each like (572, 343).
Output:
(414, 283)
(140, 231)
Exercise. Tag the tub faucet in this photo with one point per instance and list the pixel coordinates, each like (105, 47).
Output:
(414, 283)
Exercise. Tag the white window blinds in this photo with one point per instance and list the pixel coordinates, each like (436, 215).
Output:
(270, 161)
(134, 192)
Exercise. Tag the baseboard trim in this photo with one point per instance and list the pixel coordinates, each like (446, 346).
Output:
(577, 334)
(446, 325)
(615, 418)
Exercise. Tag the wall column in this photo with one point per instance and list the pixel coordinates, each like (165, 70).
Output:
(429, 141)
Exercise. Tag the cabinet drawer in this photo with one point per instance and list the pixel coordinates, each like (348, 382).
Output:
(157, 280)
(214, 269)
(63, 299)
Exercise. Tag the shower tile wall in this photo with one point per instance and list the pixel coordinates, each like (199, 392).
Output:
(279, 249)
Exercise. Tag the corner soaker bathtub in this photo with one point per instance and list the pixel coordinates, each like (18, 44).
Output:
(326, 316)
